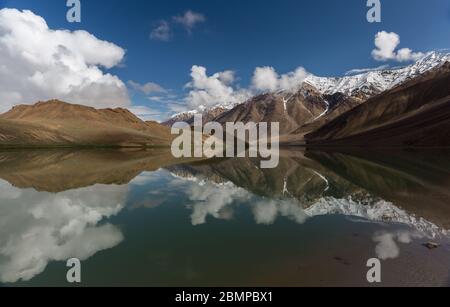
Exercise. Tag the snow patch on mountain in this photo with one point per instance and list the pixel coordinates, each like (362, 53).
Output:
(374, 82)
(364, 85)
(324, 112)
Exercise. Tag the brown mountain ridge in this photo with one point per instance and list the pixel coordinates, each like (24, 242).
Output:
(57, 123)
(415, 114)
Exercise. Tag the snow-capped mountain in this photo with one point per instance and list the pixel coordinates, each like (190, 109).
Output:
(374, 82)
(188, 117)
(414, 114)
(180, 117)
(359, 87)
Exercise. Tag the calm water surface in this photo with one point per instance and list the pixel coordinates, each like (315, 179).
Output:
(141, 218)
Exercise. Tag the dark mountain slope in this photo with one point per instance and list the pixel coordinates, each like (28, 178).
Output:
(416, 113)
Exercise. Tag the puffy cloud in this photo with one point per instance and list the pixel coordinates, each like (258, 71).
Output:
(189, 20)
(386, 48)
(38, 227)
(162, 32)
(209, 91)
(38, 63)
(267, 79)
(407, 54)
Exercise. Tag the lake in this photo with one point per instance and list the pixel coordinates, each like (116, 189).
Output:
(142, 218)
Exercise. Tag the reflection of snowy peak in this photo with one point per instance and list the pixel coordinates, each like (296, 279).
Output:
(374, 82)
(213, 197)
(376, 211)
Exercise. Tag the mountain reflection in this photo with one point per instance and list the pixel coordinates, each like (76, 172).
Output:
(331, 183)
(56, 205)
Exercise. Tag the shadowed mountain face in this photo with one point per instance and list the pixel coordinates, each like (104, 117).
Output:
(290, 110)
(56, 123)
(337, 104)
(298, 112)
(416, 113)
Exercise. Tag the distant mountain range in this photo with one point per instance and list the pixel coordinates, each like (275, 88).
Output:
(407, 106)
(368, 84)
(311, 113)
(56, 123)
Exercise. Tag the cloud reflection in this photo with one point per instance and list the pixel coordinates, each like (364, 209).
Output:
(36, 227)
(388, 242)
(214, 199)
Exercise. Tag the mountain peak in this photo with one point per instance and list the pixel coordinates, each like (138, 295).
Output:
(361, 86)
(55, 109)
(55, 122)
(59, 111)
(373, 82)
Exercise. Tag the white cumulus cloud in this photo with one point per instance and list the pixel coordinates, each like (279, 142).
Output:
(220, 89)
(38, 63)
(209, 91)
(386, 48)
(267, 79)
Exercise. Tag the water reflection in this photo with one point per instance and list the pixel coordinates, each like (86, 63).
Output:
(56, 205)
(302, 191)
(37, 228)
(304, 187)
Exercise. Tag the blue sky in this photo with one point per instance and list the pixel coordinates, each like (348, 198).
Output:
(326, 37)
